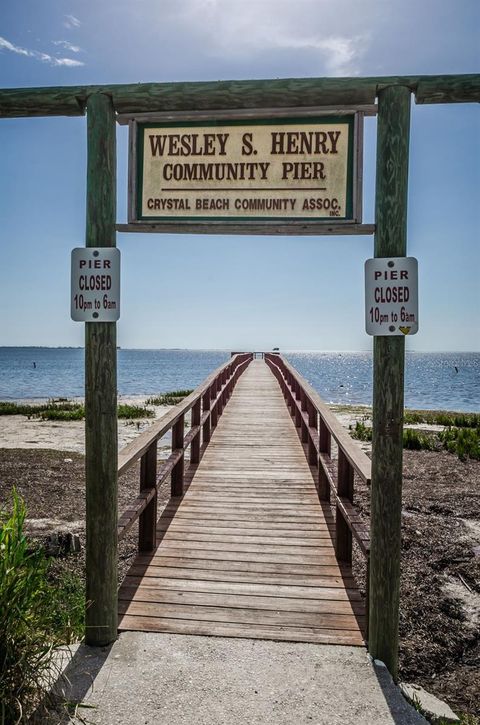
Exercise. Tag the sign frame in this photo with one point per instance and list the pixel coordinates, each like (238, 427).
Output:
(99, 298)
(251, 224)
(397, 316)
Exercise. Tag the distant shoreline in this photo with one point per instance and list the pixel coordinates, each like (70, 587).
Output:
(435, 381)
(285, 351)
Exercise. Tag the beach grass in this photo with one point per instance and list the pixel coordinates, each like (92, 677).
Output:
(173, 397)
(36, 615)
(130, 412)
(60, 404)
(65, 410)
(415, 440)
(442, 417)
(463, 442)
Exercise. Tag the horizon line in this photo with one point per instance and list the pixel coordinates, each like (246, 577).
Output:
(228, 349)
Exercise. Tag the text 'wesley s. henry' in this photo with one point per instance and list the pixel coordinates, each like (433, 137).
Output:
(253, 169)
(213, 144)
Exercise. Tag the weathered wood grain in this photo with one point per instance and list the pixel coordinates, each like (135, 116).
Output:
(248, 550)
(330, 588)
(388, 363)
(101, 389)
(448, 89)
(147, 524)
(236, 94)
(287, 228)
(316, 635)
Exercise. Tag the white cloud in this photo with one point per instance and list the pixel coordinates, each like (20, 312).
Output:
(43, 57)
(71, 22)
(7, 45)
(343, 54)
(230, 29)
(69, 62)
(68, 46)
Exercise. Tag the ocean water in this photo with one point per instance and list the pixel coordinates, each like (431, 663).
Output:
(449, 381)
(433, 381)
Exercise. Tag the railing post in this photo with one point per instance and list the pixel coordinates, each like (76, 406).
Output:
(147, 524)
(178, 432)
(312, 423)
(213, 396)
(224, 390)
(195, 444)
(228, 383)
(325, 446)
(291, 396)
(220, 394)
(304, 428)
(297, 396)
(206, 407)
(345, 489)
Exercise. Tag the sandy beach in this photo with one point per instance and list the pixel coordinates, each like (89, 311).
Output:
(439, 639)
(18, 431)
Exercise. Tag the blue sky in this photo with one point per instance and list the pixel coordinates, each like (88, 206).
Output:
(238, 291)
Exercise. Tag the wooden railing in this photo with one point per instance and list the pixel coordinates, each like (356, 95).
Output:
(317, 426)
(206, 405)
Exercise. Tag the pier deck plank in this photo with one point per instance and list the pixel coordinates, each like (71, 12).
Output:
(248, 550)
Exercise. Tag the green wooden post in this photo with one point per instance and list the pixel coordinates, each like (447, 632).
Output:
(388, 371)
(101, 390)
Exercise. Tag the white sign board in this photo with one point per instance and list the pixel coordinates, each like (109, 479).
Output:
(238, 170)
(95, 289)
(391, 296)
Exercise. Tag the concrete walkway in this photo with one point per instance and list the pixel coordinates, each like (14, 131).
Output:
(151, 679)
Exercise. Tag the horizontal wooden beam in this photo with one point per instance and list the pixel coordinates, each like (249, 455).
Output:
(260, 228)
(222, 95)
(49, 101)
(131, 515)
(246, 114)
(451, 89)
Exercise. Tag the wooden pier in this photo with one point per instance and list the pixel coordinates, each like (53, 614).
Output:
(249, 549)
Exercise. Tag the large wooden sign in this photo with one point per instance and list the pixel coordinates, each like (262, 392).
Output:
(261, 170)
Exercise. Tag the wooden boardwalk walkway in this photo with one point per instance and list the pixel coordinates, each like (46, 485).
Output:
(248, 550)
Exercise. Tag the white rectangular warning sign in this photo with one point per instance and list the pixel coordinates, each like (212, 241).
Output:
(95, 289)
(391, 296)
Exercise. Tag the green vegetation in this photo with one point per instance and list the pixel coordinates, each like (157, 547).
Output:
(66, 605)
(416, 440)
(361, 431)
(134, 411)
(76, 412)
(57, 404)
(171, 398)
(64, 410)
(465, 719)
(36, 615)
(462, 441)
(440, 417)
(465, 442)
